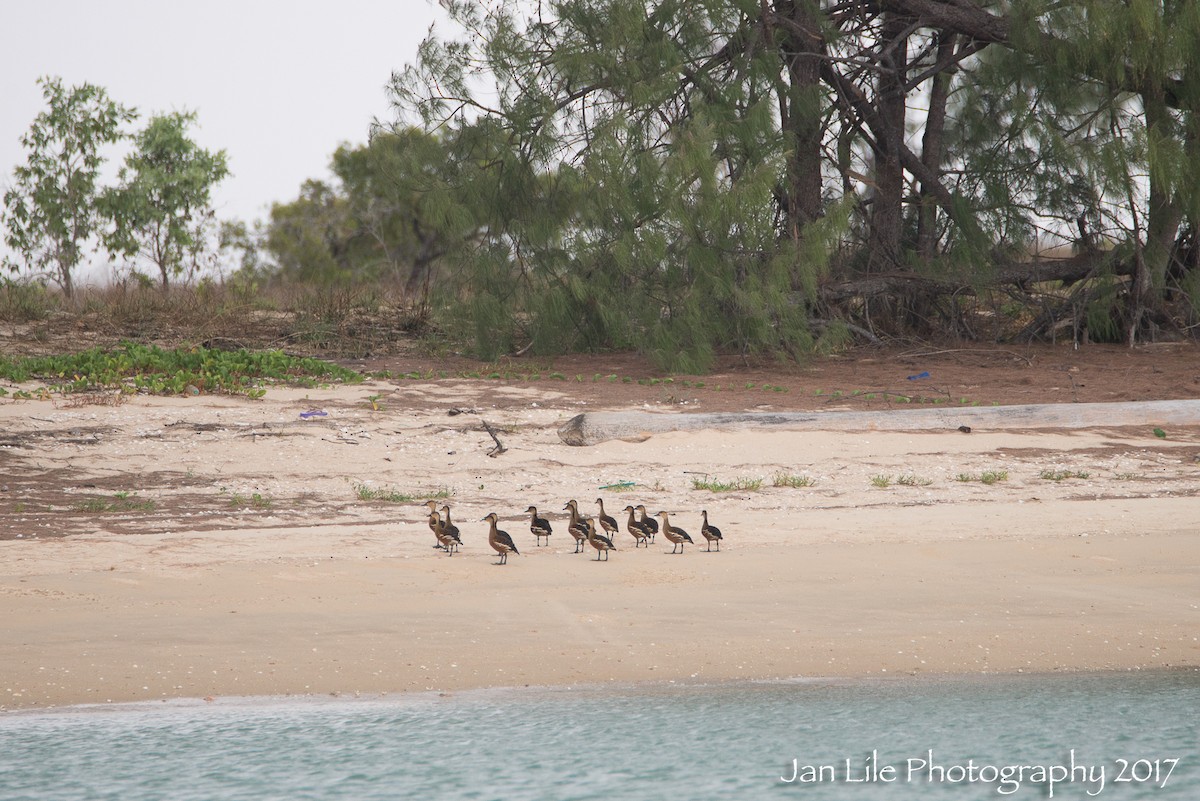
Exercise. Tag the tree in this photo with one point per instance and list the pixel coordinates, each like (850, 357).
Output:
(51, 210)
(690, 177)
(311, 238)
(395, 186)
(390, 216)
(162, 210)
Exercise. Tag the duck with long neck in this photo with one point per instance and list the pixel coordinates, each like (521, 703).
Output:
(650, 524)
(607, 522)
(636, 529)
(710, 532)
(601, 543)
(577, 526)
(500, 541)
(538, 526)
(674, 533)
(436, 525)
(453, 539)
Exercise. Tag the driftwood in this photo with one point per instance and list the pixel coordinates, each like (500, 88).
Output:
(499, 449)
(1070, 270)
(595, 427)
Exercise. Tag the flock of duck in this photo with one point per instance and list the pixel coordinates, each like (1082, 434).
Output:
(598, 533)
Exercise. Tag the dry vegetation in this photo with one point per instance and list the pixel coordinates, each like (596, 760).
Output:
(346, 322)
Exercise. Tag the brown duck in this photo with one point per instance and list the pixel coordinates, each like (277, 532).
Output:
(539, 526)
(601, 543)
(641, 536)
(577, 526)
(674, 533)
(710, 532)
(500, 540)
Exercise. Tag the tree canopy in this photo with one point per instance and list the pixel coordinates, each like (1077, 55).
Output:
(51, 211)
(389, 217)
(688, 176)
(162, 209)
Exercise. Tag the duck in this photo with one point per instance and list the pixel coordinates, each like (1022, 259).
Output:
(539, 526)
(435, 524)
(640, 534)
(577, 526)
(649, 522)
(500, 540)
(674, 533)
(710, 532)
(607, 522)
(451, 540)
(601, 543)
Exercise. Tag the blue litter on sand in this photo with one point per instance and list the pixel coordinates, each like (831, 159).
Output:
(313, 413)
(919, 375)
(620, 484)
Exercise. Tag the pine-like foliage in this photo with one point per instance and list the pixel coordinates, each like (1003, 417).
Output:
(627, 172)
(690, 177)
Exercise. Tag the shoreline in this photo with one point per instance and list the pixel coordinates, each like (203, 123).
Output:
(647, 688)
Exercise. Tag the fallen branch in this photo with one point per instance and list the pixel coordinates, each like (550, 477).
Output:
(499, 449)
(1070, 270)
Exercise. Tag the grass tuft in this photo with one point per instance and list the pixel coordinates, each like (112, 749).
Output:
(738, 484)
(795, 482)
(121, 502)
(988, 477)
(365, 493)
(1062, 475)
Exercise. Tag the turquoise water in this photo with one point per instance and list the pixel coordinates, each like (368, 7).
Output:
(725, 741)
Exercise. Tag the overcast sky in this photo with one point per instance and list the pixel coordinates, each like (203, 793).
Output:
(279, 85)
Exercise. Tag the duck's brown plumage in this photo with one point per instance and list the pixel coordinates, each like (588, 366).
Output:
(577, 526)
(500, 540)
(649, 522)
(710, 532)
(674, 533)
(539, 526)
(601, 543)
(607, 522)
(453, 539)
(638, 531)
(435, 524)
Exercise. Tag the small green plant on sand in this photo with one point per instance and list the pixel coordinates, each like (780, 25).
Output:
(912, 480)
(793, 481)
(1062, 475)
(716, 485)
(881, 481)
(365, 493)
(988, 477)
(135, 367)
(122, 502)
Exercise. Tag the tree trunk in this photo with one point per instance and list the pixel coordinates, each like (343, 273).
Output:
(800, 108)
(887, 204)
(931, 145)
(1164, 216)
(65, 280)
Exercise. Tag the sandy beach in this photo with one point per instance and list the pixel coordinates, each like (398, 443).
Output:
(214, 546)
